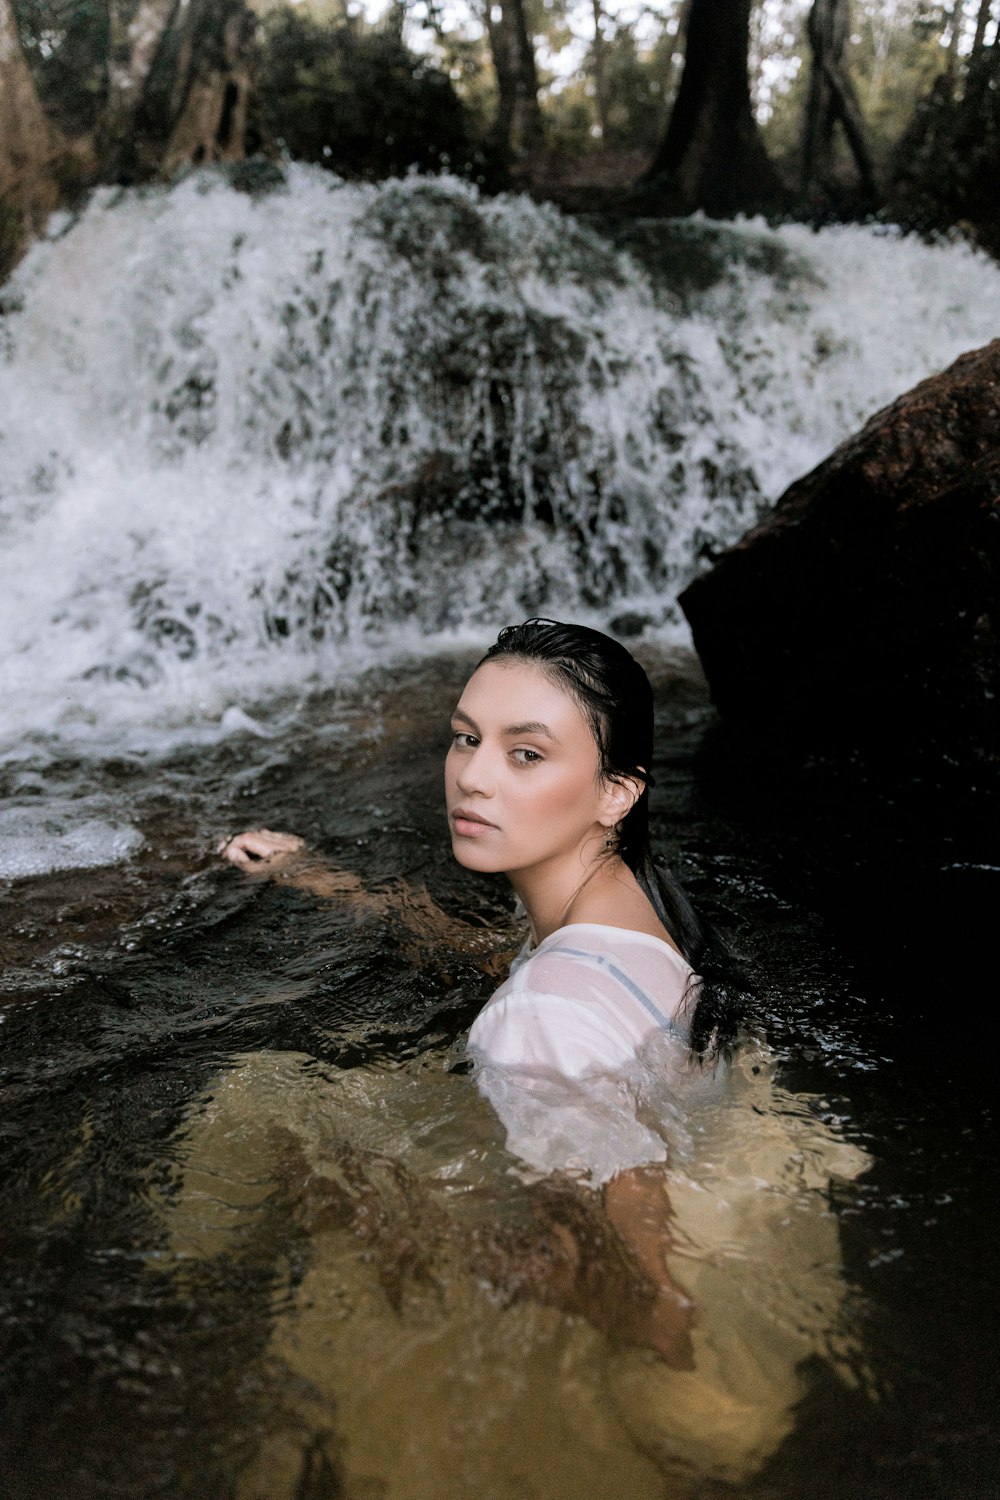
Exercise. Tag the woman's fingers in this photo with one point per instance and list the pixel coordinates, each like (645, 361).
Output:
(260, 846)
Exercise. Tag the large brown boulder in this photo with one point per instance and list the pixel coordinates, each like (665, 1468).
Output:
(863, 613)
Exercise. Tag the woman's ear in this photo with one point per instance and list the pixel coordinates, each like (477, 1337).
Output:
(619, 799)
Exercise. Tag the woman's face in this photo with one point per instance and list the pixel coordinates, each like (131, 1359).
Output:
(522, 780)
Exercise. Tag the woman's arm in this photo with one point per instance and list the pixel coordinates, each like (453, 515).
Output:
(597, 1254)
(286, 858)
(637, 1205)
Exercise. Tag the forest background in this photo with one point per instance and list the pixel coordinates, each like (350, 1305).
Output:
(819, 110)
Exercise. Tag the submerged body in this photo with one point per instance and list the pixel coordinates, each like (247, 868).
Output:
(418, 1347)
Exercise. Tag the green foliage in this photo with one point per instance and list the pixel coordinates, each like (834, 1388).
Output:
(635, 81)
(896, 56)
(570, 120)
(355, 99)
(549, 23)
(948, 164)
(637, 73)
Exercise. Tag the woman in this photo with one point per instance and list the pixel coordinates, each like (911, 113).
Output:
(547, 781)
(581, 1051)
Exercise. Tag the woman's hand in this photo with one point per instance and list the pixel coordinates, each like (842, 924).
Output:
(287, 858)
(261, 849)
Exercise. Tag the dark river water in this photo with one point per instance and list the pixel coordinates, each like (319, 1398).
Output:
(260, 1235)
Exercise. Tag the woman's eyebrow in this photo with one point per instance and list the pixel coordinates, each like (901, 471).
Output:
(533, 726)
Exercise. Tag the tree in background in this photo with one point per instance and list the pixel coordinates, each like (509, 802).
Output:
(114, 90)
(832, 100)
(188, 91)
(517, 129)
(140, 86)
(708, 104)
(896, 53)
(958, 28)
(903, 59)
(639, 82)
(712, 156)
(983, 18)
(31, 152)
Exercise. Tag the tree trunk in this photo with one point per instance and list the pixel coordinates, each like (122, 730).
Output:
(831, 99)
(954, 33)
(600, 71)
(31, 149)
(394, 20)
(212, 87)
(675, 64)
(712, 156)
(518, 126)
(178, 81)
(982, 21)
(134, 46)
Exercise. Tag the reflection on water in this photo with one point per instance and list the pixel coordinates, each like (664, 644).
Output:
(416, 1318)
(262, 1237)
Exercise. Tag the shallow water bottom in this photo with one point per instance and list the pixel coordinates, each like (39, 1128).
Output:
(261, 1235)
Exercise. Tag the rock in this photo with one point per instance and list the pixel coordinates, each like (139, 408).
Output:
(629, 624)
(863, 613)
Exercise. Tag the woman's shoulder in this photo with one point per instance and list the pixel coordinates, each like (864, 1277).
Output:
(612, 959)
(585, 938)
(586, 999)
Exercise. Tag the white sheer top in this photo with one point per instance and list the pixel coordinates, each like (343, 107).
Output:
(569, 1043)
(584, 1001)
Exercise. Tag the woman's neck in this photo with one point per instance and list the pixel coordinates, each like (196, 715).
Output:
(549, 893)
(606, 892)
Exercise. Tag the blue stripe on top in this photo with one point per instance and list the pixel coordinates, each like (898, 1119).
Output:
(601, 962)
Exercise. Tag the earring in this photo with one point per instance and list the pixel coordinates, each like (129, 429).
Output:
(613, 838)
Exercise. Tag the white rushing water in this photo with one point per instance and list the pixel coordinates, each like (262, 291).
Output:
(244, 438)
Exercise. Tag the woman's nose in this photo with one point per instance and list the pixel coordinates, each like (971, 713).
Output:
(475, 777)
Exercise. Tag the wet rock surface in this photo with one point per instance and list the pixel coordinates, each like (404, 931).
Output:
(861, 617)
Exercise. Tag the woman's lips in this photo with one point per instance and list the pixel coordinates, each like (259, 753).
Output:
(469, 825)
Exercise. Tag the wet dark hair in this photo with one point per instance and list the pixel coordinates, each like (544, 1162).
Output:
(614, 693)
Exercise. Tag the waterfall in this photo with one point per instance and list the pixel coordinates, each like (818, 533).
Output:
(251, 430)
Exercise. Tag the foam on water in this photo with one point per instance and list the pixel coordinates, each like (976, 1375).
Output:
(35, 840)
(246, 440)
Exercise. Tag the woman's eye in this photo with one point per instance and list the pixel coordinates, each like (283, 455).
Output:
(463, 741)
(526, 757)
